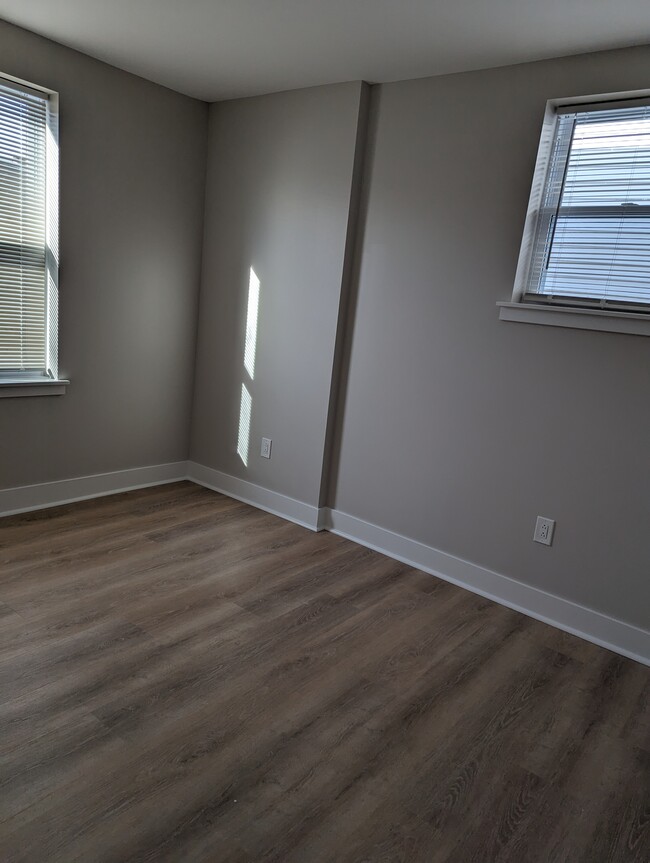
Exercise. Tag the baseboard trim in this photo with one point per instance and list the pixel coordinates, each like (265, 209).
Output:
(47, 494)
(605, 631)
(255, 495)
(579, 620)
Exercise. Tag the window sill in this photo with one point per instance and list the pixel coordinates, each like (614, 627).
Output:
(578, 319)
(15, 387)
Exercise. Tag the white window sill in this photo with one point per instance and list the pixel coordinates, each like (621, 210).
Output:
(579, 319)
(16, 387)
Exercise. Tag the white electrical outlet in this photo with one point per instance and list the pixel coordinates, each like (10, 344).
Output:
(544, 528)
(265, 452)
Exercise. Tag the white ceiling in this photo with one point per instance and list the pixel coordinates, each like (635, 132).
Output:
(221, 49)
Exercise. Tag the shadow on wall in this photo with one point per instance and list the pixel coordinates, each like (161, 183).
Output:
(250, 348)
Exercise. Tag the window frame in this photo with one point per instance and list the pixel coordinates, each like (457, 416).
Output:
(578, 313)
(45, 381)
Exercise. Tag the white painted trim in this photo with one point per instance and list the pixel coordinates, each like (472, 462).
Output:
(256, 495)
(42, 386)
(605, 320)
(584, 622)
(46, 494)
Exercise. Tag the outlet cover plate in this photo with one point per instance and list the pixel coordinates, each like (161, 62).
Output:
(544, 528)
(265, 451)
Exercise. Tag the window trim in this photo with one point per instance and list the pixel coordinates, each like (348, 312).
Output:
(583, 318)
(554, 311)
(46, 381)
(21, 387)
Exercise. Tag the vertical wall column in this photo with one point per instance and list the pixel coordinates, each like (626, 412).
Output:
(282, 198)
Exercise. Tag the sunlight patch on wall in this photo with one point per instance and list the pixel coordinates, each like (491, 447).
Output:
(250, 346)
(244, 436)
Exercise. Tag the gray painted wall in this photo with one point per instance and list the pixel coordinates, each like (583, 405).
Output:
(279, 185)
(453, 428)
(458, 428)
(132, 188)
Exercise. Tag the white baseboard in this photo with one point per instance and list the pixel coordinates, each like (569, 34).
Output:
(584, 622)
(579, 620)
(46, 494)
(256, 495)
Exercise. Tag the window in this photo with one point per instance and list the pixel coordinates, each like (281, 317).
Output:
(586, 246)
(28, 239)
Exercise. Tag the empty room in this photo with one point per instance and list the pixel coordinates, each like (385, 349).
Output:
(324, 431)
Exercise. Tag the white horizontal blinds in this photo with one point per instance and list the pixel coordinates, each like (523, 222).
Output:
(597, 242)
(550, 200)
(23, 119)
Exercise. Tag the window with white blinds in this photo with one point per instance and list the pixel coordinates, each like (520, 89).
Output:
(591, 244)
(28, 231)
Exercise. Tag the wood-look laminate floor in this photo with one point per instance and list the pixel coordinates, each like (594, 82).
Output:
(185, 678)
